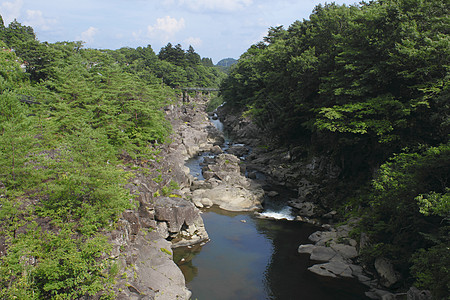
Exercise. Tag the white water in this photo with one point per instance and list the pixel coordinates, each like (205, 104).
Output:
(285, 213)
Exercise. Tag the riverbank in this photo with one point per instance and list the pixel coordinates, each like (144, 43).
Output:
(316, 181)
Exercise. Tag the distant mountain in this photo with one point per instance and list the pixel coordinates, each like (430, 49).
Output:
(227, 62)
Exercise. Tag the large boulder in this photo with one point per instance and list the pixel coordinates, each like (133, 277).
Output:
(232, 198)
(385, 269)
(184, 223)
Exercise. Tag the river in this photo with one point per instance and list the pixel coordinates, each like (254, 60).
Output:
(253, 258)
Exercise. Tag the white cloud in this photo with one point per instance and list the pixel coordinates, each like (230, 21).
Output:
(88, 35)
(10, 10)
(194, 42)
(165, 28)
(36, 20)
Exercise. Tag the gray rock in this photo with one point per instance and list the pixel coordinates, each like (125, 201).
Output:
(385, 269)
(330, 215)
(416, 294)
(162, 229)
(322, 237)
(238, 150)
(321, 253)
(175, 212)
(333, 268)
(180, 214)
(216, 150)
(272, 194)
(153, 274)
(345, 251)
(379, 294)
(304, 208)
(306, 248)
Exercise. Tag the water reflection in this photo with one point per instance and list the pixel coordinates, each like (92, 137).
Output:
(250, 258)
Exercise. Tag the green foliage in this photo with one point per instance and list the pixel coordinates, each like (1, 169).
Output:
(363, 83)
(164, 250)
(409, 210)
(44, 265)
(370, 73)
(214, 103)
(430, 267)
(62, 180)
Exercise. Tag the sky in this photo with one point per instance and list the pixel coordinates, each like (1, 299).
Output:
(215, 28)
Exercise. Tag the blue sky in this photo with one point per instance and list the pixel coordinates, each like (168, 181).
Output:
(215, 28)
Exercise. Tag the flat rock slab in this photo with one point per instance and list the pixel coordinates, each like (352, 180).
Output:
(345, 251)
(321, 253)
(306, 248)
(321, 237)
(332, 269)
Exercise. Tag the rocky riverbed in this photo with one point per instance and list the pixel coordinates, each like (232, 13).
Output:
(169, 214)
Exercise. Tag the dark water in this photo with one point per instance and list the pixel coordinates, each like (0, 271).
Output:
(250, 258)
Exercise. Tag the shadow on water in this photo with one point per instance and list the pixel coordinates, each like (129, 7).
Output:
(250, 258)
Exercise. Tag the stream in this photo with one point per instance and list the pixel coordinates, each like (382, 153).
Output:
(253, 258)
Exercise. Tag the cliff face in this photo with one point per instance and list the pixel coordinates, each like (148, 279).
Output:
(164, 218)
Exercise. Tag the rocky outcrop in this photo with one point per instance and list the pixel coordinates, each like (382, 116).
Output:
(144, 237)
(149, 271)
(337, 251)
(225, 186)
(184, 225)
(291, 166)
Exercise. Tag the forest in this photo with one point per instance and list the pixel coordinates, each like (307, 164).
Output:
(367, 85)
(71, 119)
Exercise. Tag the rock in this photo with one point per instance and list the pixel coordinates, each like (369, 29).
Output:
(385, 269)
(208, 175)
(154, 273)
(321, 238)
(238, 150)
(321, 253)
(304, 208)
(380, 294)
(252, 175)
(206, 202)
(306, 248)
(415, 294)
(216, 150)
(162, 229)
(322, 271)
(330, 215)
(175, 212)
(232, 198)
(306, 190)
(333, 268)
(345, 251)
(272, 194)
(184, 223)
(197, 203)
(363, 241)
(194, 234)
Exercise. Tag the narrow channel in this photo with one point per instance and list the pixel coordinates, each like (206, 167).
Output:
(254, 258)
